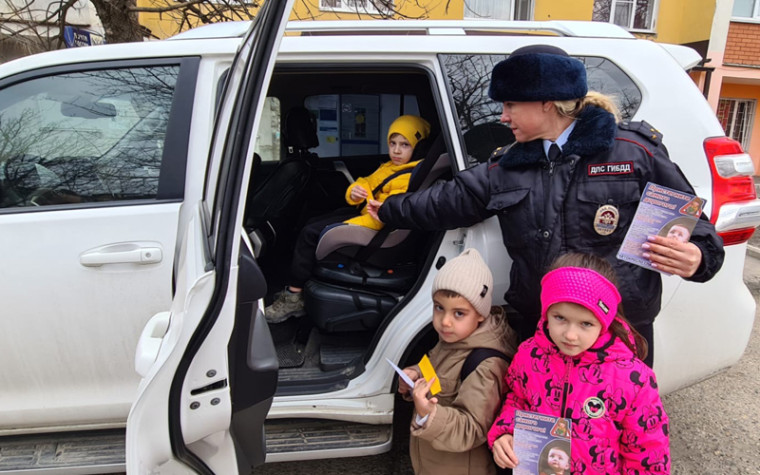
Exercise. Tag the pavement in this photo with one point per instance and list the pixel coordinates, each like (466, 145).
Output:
(753, 246)
(714, 424)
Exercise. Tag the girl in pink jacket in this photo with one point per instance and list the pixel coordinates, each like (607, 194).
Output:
(584, 363)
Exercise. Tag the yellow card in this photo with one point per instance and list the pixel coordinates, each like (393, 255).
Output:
(429, 373)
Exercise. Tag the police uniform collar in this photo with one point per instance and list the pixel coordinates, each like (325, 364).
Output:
(594, 132)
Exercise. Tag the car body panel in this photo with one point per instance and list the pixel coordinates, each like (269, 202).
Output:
(696, 334)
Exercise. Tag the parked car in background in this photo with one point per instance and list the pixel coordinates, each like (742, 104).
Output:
(150, 195)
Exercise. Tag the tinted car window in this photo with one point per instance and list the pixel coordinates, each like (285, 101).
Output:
(468, 80)
(84, 136)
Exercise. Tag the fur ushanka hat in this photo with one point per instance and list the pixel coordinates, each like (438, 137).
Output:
(538, 73)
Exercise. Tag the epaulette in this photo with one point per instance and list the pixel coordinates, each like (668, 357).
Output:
(643, 128)
(499, 152)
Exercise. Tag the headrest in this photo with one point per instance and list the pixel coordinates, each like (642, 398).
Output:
(300, 130)
(484, 138)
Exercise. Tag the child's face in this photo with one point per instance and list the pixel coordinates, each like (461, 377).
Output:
(399, 149)
(454, 318)
(558, 460)
(679, 232)
(572, 327)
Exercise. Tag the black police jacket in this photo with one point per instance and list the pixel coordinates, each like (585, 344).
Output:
(546, 209)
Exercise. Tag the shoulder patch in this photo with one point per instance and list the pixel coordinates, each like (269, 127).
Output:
(643, 128)
(500, 151)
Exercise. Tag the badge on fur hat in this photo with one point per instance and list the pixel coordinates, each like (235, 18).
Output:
(606, 220)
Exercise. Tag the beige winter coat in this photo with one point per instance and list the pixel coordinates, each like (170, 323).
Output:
(453, 439)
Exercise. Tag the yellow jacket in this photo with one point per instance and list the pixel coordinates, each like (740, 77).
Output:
(394, 186)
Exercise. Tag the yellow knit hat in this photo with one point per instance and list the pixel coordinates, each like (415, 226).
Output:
(413, 128)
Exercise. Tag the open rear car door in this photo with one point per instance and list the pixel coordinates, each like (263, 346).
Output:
(196, 410)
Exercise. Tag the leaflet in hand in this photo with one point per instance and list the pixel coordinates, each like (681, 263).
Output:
(541, 443)
(427, 372)
(401, 373)
(662, 211)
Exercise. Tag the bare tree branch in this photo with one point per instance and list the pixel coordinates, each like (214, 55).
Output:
(39, 29)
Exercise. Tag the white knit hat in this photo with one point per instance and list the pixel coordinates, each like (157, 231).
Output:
(469, 276)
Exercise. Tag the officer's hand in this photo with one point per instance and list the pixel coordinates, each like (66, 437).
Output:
(672, 256)
(373, 206)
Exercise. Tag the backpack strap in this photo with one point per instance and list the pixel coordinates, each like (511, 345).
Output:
(476, 356)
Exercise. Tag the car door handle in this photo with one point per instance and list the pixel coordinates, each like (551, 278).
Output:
(122, 253)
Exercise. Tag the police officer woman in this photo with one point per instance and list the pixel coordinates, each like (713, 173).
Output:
(570, 182)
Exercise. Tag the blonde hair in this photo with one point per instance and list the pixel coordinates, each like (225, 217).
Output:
(599, 264)
(573, 107)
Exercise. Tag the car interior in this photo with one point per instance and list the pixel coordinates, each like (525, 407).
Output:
(333, 125)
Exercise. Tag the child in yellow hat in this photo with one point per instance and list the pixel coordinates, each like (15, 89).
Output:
(390, 178)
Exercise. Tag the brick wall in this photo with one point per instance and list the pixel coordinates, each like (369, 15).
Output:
(743, 44)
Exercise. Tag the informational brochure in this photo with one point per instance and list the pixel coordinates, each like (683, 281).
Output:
(662, 211)
(542, 444)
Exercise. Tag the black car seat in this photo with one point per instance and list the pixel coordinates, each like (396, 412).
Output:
(361, 274)
(278, 198)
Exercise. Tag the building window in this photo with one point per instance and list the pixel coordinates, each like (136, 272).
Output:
(746, 8)
(630, 14)
(371, 7)
(505, 10)
(737, 116)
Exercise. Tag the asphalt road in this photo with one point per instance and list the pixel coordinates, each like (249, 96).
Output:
(715, 425)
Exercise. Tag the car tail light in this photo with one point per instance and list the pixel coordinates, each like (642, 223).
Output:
(735, 211)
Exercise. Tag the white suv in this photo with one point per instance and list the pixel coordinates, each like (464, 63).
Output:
(161, 179)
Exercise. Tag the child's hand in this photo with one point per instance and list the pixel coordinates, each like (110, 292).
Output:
(422, 404)
(372, 208)
(503, 453)
(358, 193)
(404, 388)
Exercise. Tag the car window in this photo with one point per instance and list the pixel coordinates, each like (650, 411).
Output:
(268, 138)
(355, 124)
(84, 136)
(468, 79)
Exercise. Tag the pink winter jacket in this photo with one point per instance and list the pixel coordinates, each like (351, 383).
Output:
(618, 422)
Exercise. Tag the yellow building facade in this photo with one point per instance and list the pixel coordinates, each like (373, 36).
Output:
(724, 32)
(673, 21)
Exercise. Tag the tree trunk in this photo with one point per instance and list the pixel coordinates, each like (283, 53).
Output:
(120, 23)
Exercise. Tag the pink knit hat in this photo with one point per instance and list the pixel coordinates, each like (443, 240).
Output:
(584, 287)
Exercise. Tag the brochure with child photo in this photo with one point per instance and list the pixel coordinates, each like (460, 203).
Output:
(541, 443)
(662, 211)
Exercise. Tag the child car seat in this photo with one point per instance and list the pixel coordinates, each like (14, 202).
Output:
(361, 273)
